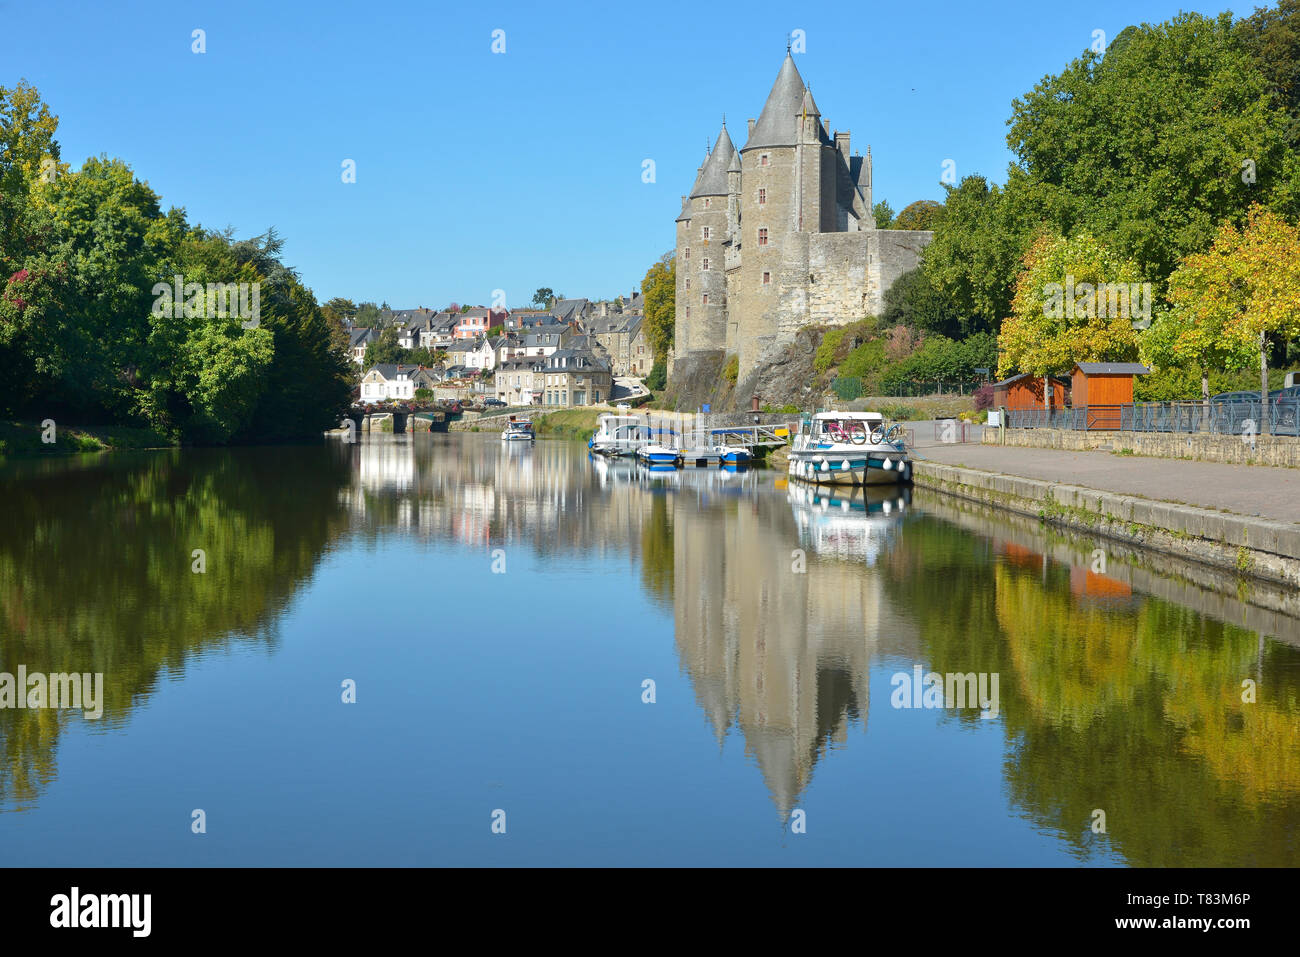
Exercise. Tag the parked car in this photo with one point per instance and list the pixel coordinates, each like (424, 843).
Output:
(1286, 410)
(493, 404)
(1232, 411)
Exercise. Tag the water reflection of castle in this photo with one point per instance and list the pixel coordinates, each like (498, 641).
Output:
(781, 654)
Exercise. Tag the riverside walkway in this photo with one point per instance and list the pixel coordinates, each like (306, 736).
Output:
(1250, 490)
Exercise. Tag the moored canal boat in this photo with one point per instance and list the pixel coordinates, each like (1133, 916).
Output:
(659, 455)
(849, 448)
(518, 430)
(619, 435)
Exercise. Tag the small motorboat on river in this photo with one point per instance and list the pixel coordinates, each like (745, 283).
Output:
(518, 430)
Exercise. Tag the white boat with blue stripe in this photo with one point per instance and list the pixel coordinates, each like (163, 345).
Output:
(850, 448)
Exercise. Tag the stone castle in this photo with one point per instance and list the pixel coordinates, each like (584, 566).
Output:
(779, 234)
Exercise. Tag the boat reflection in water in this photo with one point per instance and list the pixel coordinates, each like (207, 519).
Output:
(848, 522)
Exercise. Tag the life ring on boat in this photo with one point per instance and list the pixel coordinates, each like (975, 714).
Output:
(877, 435)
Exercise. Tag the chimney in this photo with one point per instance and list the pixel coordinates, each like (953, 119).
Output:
(842, 144)
(751, 126)
(826, 126)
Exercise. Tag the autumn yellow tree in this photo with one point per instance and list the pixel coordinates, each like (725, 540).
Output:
(1076, 301)
(1246, 287)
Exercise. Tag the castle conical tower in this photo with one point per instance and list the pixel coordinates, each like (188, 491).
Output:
(780, 235)
(701, 254)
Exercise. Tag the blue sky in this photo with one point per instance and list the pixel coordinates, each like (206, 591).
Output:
(478, 171)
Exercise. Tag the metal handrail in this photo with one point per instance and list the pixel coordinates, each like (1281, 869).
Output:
(1224, 417)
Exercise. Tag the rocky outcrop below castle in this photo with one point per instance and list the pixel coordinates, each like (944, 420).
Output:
(784, 377)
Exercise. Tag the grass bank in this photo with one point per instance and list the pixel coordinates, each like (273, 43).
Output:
(26, 439)
(568, 423)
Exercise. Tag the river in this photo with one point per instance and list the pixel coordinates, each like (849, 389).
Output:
(560, 661)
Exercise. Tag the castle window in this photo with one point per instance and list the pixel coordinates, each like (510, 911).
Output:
(762, 236)
(688, 285)
(708, 201)
(704, 265)
(762, 197)
(704, 300)
(706, 232)
(763, 159)
(688, 312)
(688, 252)
(767, 280)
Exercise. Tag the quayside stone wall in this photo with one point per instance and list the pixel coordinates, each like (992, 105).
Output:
(1283, 450)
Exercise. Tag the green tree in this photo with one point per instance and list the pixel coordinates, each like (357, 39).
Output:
(883, 214)
(367, 315)
(913, 300)
(659, 293)
(544, 297)
(1155, 144)
(977, 251)
(384, 348)
(923, 214)
(1272, 36)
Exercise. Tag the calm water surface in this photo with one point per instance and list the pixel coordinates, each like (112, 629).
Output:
(501, 610)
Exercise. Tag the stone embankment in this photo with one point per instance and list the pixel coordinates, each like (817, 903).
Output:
(1251, 546)
(1201, 447)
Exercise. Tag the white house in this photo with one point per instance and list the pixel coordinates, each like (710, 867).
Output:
(487, 353)
(387, 381)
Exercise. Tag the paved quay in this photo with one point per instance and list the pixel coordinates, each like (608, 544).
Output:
(1252, 490)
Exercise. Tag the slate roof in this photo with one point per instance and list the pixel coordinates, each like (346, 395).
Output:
(685, 217)
(713, 180)
(778, 124)
(390, 369)
(1113, 368)
(359, 336)
(566, 309)
(577, 360)
(535, 340)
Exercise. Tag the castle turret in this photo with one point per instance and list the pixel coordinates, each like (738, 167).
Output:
(703, 303)
(733, 209)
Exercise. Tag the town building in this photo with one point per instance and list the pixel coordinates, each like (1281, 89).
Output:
(575, 377)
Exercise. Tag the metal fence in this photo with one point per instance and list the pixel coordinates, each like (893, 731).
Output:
(1224, 417)
(847, 388)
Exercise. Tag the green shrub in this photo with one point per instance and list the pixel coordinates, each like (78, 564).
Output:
(731, 371)
(896, 411)
(866, 361)
(657, 377)
(824, 358)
